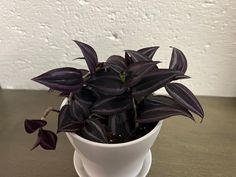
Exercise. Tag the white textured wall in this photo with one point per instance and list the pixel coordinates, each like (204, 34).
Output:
(35, 36)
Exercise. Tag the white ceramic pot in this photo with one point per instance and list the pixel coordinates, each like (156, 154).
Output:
(113, 160)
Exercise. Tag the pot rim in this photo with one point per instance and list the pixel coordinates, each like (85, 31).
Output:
(106, 145)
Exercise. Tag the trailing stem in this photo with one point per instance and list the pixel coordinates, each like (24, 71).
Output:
(47, 111)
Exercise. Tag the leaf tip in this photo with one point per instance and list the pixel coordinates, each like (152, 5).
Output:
(34, 79)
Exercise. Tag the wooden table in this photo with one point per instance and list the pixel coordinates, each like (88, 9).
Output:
(183, 149)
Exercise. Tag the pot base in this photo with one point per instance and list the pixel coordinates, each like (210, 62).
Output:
(82, 173)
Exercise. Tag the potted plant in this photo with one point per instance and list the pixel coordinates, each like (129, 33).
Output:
(111, 115)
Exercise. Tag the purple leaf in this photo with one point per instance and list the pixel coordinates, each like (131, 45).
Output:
(160, 100)
(128, 59)
(136, 56)
(178, 61)
(48, 139)
(111, 105)
(160, 113)
(164, 101)
(89, 55)
(33, 125)
(36, 144)
(79, 58)
(153, 81)
(120, 125)
(94, 131)
(148, 51)
(78, 111)
(67, 123)
(182, 77)
(62, 79)
(107, 83)
(136, 71)
(184, 97)
(86, 96)
(117, 63)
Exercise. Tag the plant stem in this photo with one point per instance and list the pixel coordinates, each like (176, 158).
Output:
(47, 111)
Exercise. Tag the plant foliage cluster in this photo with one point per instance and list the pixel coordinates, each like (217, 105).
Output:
(113, 101)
